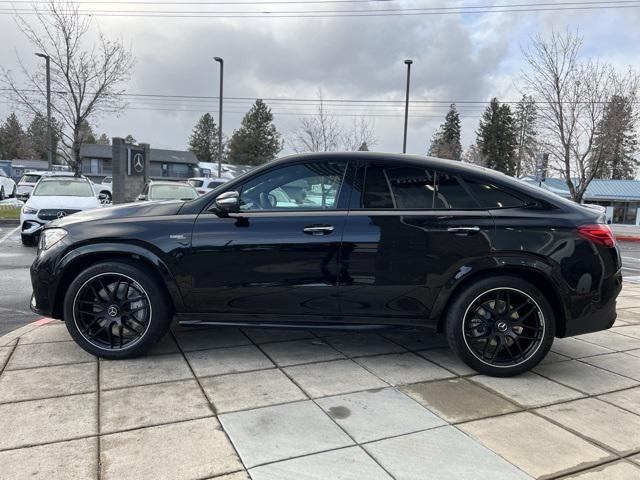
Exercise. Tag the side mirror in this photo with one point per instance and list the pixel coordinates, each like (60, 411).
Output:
(142, 198)
(228, 202)
(23, 197)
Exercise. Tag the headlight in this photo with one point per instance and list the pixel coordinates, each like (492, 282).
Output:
(29, 211)
(50, 236)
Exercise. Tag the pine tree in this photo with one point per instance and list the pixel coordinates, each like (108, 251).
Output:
(525, 121)
(15, 143)
(364, 147)
(256, 141)
(37, 136)
(203, 142)
(103, 140)
(497, 138)
(446, 141)
(615, 143)
(129, 139)
(86, 133)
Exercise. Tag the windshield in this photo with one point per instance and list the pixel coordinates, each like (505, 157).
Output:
(30, 179)
(63, 188)
(195, 183)
(172, 192)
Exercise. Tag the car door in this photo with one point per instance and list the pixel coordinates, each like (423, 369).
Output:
(410, 229)
(279, 254)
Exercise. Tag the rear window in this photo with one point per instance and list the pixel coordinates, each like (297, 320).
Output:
(30, 179)
(491, 196)
(172, 192)
(409, 188)
(195, 183)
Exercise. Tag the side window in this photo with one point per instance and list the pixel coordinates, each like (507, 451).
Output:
(491, 196)
(450, 194)
(408, 188)
(308, 186)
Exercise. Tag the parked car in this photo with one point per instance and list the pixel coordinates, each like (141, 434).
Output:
(368, 241)
(104, 189)
(53, 197)
(167, 191)
(29, 180)
(7, 185)
(206, 184)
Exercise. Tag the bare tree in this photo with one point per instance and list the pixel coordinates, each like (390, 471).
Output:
(361, 133)
(572, 95)
(86, 80)
(319, 133)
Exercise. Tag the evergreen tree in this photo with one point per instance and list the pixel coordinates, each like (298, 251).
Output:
(615, 142)
(497, 139)
(525, 122)
(37, 136)
(203, 142)
(364, 147)
(129, 139)
(103, 140)
(256, 141)
(446, 141)
(15, 143)
(86, 133)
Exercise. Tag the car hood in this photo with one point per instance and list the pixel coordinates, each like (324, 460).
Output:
(128, 210)
(71, 203)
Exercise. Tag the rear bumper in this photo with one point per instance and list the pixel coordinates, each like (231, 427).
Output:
(593, 313)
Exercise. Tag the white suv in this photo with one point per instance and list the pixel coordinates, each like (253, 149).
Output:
(206, 184)
(55, 197)
(7, 185)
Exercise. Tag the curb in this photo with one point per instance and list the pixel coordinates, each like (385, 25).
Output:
(12, 222)
(11, 337)
(627, 238)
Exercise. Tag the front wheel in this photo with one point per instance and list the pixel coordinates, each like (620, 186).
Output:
(500, 326)
(116, 310)
(1, 193)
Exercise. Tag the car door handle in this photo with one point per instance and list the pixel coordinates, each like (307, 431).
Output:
(463, 230)
(318, 229)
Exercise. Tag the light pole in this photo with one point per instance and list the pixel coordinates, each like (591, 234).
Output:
(221, 62)
(49, 133)
(406, 106)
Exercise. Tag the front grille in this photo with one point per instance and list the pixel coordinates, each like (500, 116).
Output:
(52, 214)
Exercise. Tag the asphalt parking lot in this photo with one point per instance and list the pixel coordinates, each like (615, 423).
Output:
(15, 284)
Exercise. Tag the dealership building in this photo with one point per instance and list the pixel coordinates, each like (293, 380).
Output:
(621, 198)
(173, 165)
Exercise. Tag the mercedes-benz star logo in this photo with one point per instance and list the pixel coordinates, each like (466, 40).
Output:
(61, 214)
(138, 162)
(112, 311)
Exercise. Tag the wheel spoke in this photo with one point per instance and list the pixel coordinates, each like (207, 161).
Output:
(134, 310)
(133, 299)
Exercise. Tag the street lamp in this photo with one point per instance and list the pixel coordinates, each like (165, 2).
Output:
(221, 62)
(49, 133)
(406, 106)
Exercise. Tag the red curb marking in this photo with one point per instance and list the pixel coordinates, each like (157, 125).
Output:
(44, 321)
(623, 238)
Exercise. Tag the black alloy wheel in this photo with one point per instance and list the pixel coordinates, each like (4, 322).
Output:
(112, 311)
(503, 327)
(117, 309)
(500, 326)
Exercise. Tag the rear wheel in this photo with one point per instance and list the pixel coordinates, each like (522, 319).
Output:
(2, 193)
(500, 326)
(116, 310)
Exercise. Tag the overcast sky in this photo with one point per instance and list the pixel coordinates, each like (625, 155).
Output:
(459, 57)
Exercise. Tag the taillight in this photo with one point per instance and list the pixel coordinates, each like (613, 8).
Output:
(598, 233)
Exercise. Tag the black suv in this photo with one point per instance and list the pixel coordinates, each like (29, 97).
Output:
(339, 241)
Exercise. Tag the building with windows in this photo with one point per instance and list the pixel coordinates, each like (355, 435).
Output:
(621, 198)
(176, 165)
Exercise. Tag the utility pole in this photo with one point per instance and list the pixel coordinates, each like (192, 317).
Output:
(406, 106)
(221, 62)
(49, 132)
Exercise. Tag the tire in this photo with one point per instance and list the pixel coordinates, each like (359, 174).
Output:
(28, 240)
(13, 194)
(2, 197)
(104, 319)
(483, 333)
(108, 197)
